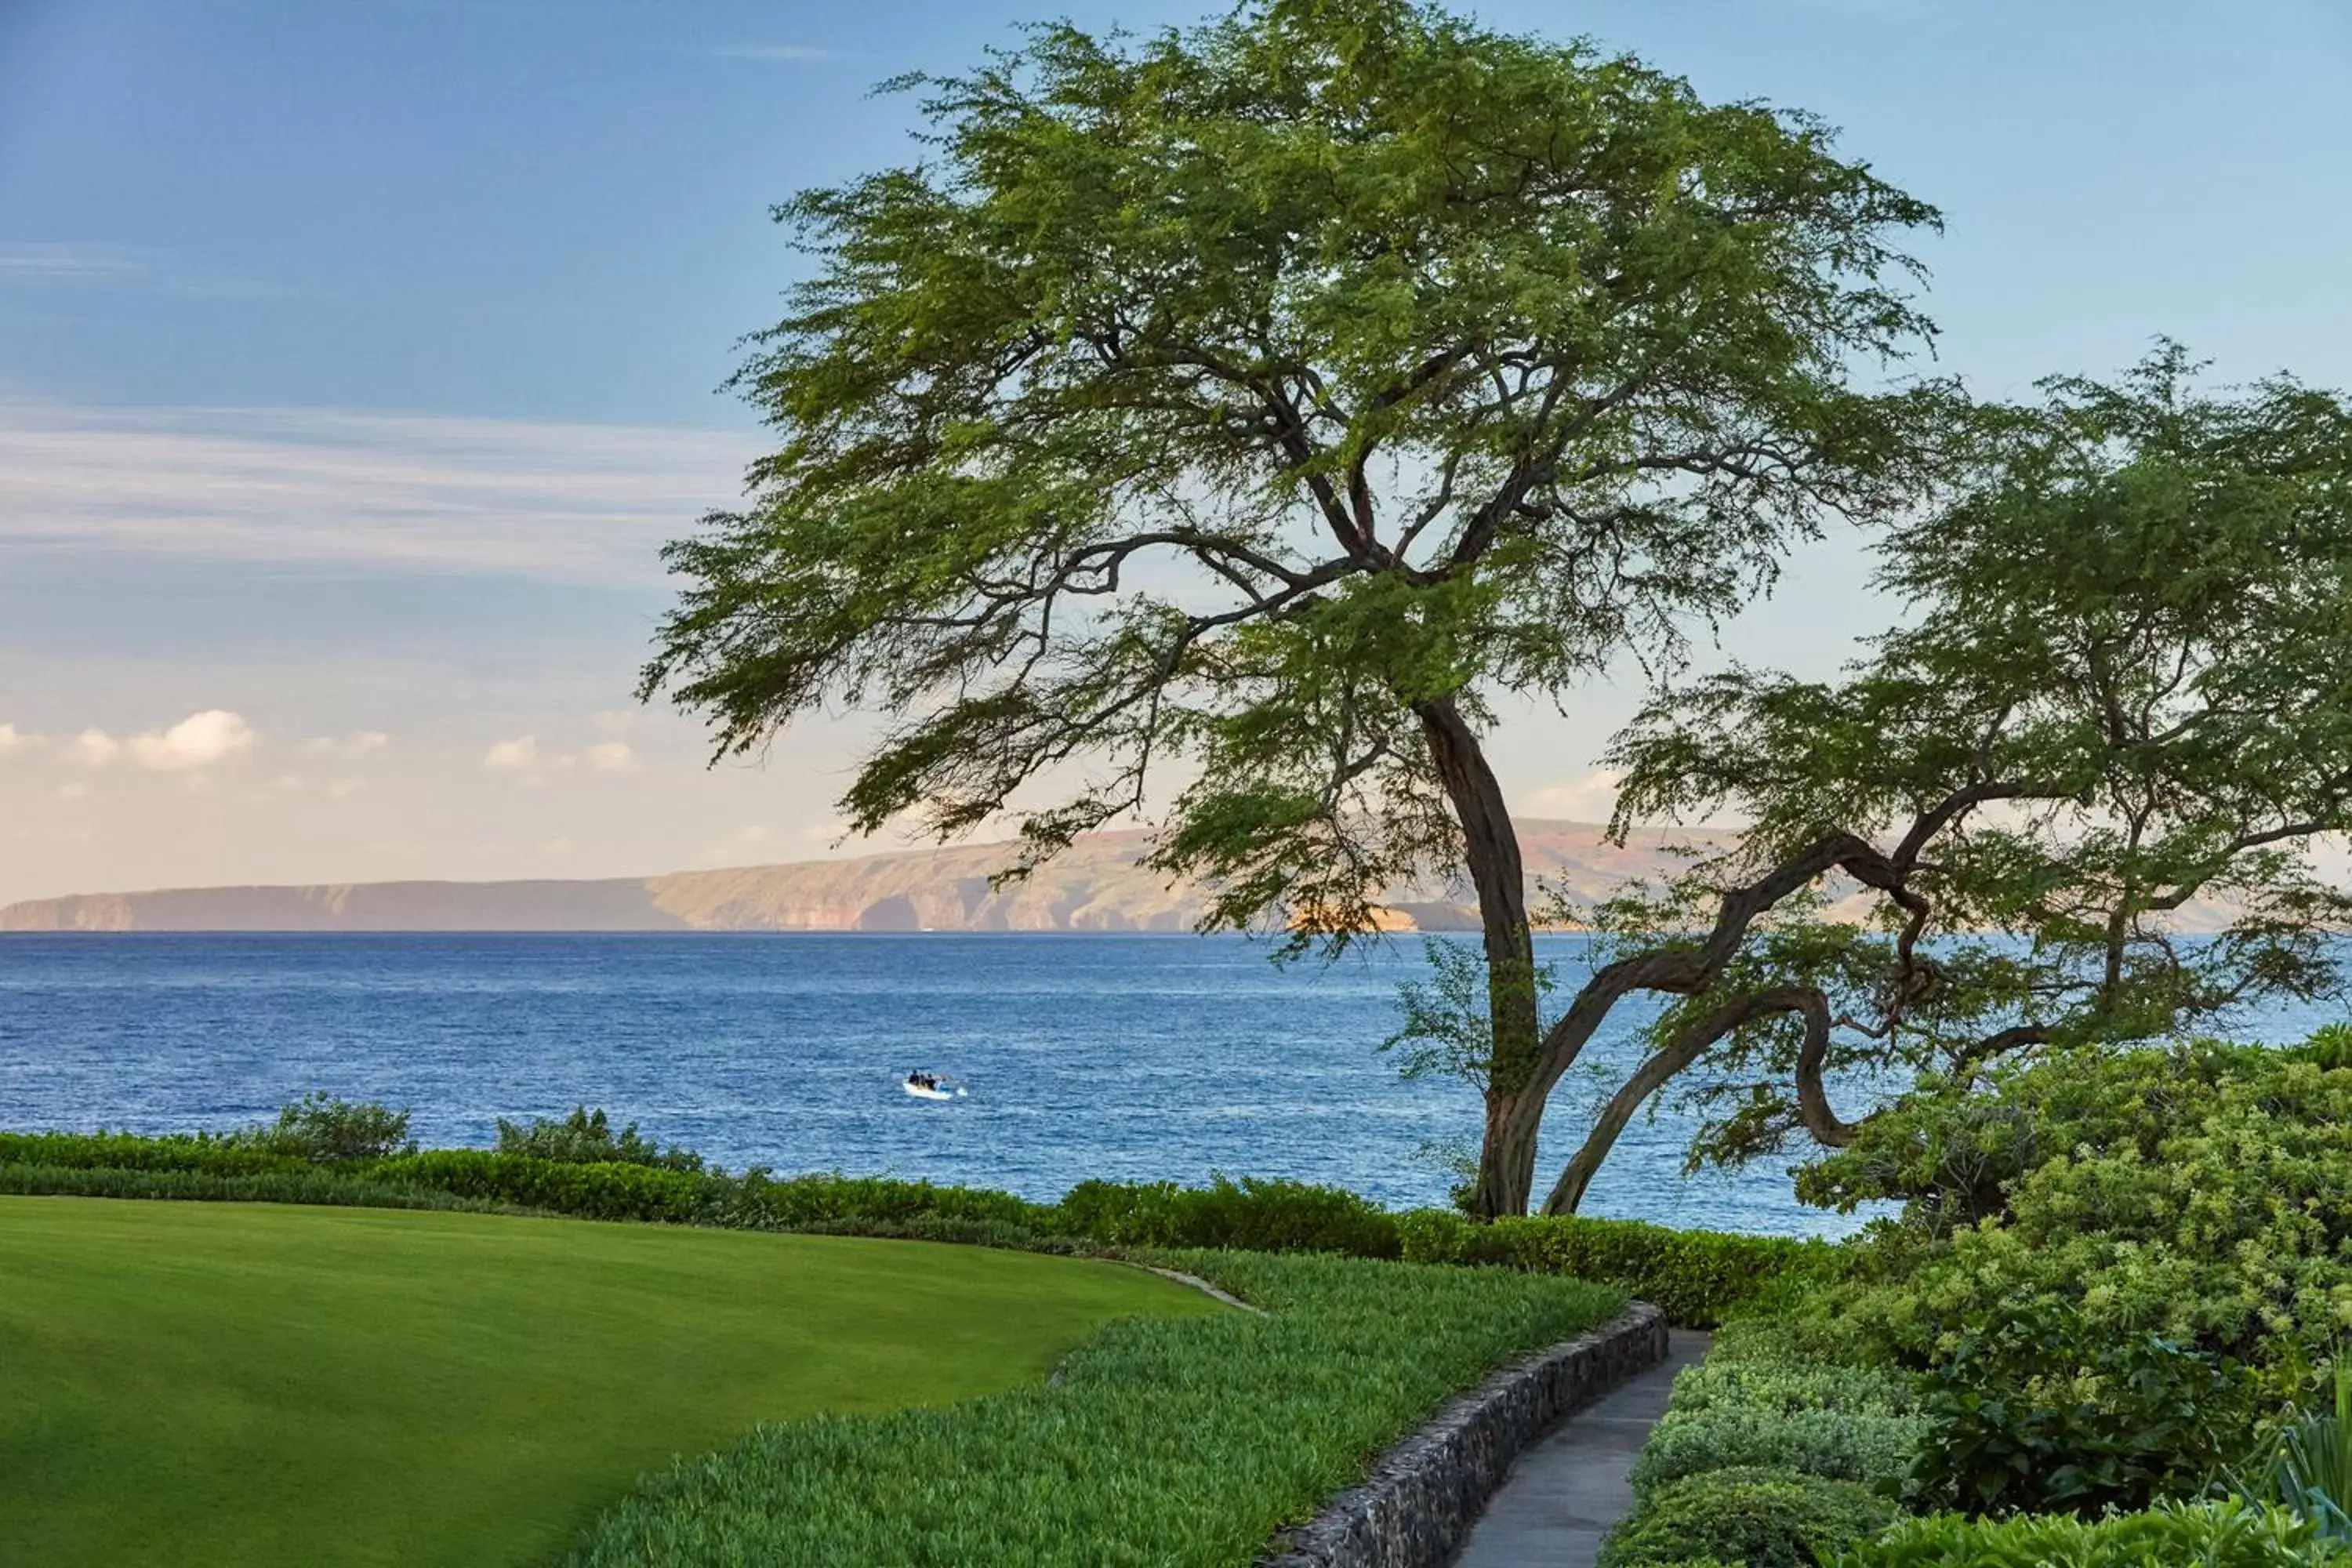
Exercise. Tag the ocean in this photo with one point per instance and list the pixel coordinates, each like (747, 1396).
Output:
(1138, 1057)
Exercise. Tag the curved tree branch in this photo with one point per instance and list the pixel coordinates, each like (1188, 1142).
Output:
(1661, 1067)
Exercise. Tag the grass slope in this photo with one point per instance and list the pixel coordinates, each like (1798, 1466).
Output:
(263, 1385)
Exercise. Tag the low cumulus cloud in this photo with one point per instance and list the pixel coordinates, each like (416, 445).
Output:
(13, 740)
(519, 755)
(197, 741)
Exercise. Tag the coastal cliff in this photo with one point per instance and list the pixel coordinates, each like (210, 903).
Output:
(1096, 886)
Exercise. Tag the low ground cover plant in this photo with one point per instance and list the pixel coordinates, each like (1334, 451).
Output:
(2224, 1534)
(1165, 1443)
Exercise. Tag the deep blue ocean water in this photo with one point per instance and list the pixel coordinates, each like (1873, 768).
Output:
(1122, 1057)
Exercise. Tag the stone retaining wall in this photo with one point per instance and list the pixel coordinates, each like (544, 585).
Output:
(1423, 1495)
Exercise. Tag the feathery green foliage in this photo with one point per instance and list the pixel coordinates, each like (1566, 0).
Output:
(1273, 397)
(2075, 795)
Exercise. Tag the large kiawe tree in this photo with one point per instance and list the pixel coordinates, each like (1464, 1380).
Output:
(2084, 795)
(1266, 400)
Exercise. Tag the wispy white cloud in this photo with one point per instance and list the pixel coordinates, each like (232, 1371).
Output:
(791, 52)
(349, 748)
(612, 757)
(560, 502)
(68, 264)
(13, 740)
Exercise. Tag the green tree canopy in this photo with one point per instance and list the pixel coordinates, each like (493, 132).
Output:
(1265, 399)
(2076, 797)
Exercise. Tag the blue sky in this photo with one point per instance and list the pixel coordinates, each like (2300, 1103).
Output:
(354, 360)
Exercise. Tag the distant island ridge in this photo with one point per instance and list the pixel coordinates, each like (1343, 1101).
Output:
(1097, 885)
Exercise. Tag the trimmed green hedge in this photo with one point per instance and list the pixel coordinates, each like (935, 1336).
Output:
(296, 1186)
(215, 1155)
(1698, 1278)
(1249, 1215)
(1761, 1517)
(587, 1192)
(1839, 1445)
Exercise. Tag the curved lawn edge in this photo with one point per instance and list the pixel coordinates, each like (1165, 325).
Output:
(1424, 1494)
(1189, 1442)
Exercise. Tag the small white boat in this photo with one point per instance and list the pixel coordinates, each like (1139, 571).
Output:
(931, 1086)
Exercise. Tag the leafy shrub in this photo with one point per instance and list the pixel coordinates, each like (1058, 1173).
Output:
(1250, 1215)
(232, 1155)
(1952, 1149)
(302, 1184)
(585, 1138)
(2226, 1535)
(2195, 1194)
(758, 1201)
(1760, 1517)
(1841, 1445)
(326, 1131)
(589, 1191)
(1179, 1441)
(2308, 1470)
(1728, 1380)
(1698, 1278)
(2034, 1412)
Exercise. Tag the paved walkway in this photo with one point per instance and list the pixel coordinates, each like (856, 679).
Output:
(1562, 1496)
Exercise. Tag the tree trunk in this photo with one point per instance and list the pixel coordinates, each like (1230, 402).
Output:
(1506, 1157)
(1664, 1064)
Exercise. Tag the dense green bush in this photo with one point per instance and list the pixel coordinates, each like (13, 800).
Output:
(1250, 1216)
(306, 1185)
(2206, 1204)
(1698, 1278)
(232, 1155)
(589, 1191)
(1841, 1444)
(1174, 1442)
(326, 1131)
(586, 1138)
(2034, 1412)
(758, 1201)
(1760, 1517)
(2228, 1535)
(1739, 1377)
(1952, 1149)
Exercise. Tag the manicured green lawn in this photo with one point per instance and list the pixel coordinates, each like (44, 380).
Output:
(259, 1384)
